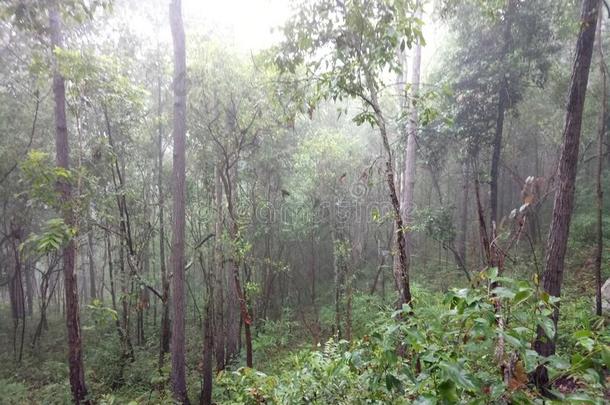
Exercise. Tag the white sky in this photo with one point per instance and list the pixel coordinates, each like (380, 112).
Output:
(245, 24)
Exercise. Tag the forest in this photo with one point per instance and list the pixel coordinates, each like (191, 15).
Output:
(304, 202)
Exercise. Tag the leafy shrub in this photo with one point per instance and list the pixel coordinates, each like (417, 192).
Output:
(441, 352)
(13, 392)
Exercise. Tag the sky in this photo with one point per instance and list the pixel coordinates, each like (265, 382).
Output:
(245, 24)
(248, 26)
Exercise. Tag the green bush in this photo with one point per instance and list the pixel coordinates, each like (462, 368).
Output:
(13, 392)
(441, 352)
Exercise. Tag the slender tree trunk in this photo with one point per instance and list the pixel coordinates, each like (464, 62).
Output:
(463, 220)
(564, 196)
(178, 340)
(208, 351)
(411, 154)
(92, 287)
(236, 306)
(75, 357)
(165, 333)
(240, 300)
(219, 321)
(348, 269)
(125, 297)
(503, 102)
(495, 157)
(338, 283)
(16, 293)
(28, 270)
(600, 150)
(404, 284)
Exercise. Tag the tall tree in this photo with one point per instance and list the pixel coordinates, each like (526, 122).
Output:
(503, 104)
(164, 336)
(333, 43)
(552, 277)
(603, 115)
(75, 358)
(178, 376)
(411, 152)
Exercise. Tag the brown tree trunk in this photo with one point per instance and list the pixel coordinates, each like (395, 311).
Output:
(206, 368)
(503, 102)
(564, 196)
(411, 155)
(219, 288)
(75, 357)
(164, 335)
(29, 286)
(92, 287)
(178, 339)
(404, 285)
(495, 157)
(236, 310)
(600, 150)
(208, 351)
(463, 237)
(16, 293)
(483, 236)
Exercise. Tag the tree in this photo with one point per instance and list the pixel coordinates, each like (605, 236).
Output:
(178, 343)
(601, 132)
(557, 241)
(408, 193)
(75, 358)
(345, 50)
(164, 335)
(505, 48)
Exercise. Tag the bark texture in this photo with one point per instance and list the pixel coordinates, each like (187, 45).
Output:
(566, 176)
(178, 340)
(75, 357)
(411, 154)
(603, 114)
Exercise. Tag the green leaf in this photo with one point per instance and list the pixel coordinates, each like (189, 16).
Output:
(579, 398)
(547, 326)
(606, 356)
(503, 292)
(391, 382)
(457, 374)
(447, 391)
(521, 296)
(586, 342)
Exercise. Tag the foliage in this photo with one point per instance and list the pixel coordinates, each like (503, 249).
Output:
(42, 177)
(55, 234)
(14, 393)
(347, 50)
(445, 355)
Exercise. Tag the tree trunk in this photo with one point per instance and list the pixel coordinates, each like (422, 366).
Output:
(564, 196)
(600, 150)
(178, 340)
(411, 154)
(208, 351)
(29, 286)
(219, 321)
(92, 287)
(164, 335)
(16, 292)
(503, 102)
(75, 358)
(463, 220)
(404, 285)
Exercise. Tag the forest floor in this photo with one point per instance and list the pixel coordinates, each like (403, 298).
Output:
(289, 366)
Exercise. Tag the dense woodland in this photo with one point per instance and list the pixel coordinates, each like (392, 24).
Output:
(396, 202)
